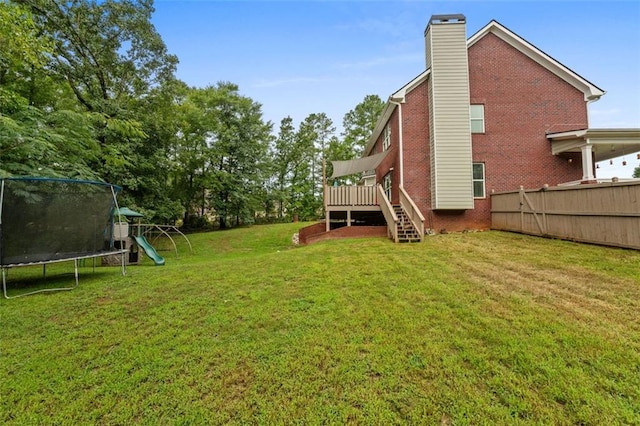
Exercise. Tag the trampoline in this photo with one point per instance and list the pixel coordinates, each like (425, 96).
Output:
(46, 220)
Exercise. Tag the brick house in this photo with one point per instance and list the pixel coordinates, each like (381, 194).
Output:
(489, 113)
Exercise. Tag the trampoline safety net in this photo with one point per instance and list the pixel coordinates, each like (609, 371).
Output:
(52, 219)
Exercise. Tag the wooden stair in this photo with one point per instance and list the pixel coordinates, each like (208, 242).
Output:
(406, 231)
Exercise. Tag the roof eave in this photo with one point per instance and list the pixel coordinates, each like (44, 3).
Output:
(382, 122)
(397, 96)
(591, 91)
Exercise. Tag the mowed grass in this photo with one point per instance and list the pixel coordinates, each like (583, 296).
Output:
(476, 328)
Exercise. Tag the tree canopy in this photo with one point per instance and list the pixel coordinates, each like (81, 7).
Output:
(88, 90)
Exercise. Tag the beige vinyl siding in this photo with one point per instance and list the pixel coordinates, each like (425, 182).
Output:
(450, 122)
(432, 158)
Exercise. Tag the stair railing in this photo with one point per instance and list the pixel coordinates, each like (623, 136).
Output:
(412, 211)
(389, 214)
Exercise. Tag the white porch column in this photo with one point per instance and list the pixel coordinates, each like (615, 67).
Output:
(587, 162)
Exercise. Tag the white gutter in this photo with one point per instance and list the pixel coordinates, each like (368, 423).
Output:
(399, 102)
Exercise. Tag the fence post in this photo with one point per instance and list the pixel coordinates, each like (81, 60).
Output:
(521, 193)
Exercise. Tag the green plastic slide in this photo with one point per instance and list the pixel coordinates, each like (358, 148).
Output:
(149, 250)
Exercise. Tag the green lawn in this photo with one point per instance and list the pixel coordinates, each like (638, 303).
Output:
(475, 328)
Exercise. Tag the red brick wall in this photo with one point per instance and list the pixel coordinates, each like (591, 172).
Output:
(391, 160)
(316, 232)
(522, 102)
(417, 165)
(308, 232)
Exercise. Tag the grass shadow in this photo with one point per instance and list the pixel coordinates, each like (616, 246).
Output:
(35, 279)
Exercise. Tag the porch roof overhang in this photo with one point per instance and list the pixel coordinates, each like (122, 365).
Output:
(605, 143)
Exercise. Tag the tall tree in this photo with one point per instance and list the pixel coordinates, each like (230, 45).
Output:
(109, 54)
(339, 150)
(312, 141)
(39, 134)
(319, 128)
(190, 152)
(360, 122)
(23, 47)
(284, 161)
(108, 51)
(220, 155)
(239, 146)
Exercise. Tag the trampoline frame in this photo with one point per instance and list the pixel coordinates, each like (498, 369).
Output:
(44, 264)
(75, 259)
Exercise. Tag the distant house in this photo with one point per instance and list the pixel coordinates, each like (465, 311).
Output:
(489, 113)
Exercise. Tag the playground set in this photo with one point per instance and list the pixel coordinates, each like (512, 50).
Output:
(131, 236)
(48, 220)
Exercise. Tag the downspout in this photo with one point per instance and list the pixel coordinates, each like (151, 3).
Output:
(399, 102)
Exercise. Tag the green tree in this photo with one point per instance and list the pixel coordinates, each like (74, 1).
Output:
(23, 47)
(220, 161)
(360, 122)
(110, 56)
(636, 172)
(238, 155)
(107, 51)
(153, 170)
(284, 161)
(339, 150)
(312, 141)
(320, 129)
(358, 125)
(189, 153)
(40, 134)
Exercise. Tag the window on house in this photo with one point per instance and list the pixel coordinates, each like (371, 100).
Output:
(386, 143)
(478, 180)
(476, 113)
(386, 185)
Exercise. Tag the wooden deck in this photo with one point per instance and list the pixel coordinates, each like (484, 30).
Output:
(351, 198)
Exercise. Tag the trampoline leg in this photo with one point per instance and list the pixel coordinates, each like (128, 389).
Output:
(75, 264)
(4, 283)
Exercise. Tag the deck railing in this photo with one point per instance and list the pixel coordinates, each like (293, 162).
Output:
(410, 208)
(389, 214)
(351, 196)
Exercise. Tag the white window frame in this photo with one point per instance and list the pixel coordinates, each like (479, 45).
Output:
(476, 114)
(386, 142)
(386, 185)
(482, 180)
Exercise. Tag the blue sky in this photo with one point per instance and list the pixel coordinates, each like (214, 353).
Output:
(303, 57)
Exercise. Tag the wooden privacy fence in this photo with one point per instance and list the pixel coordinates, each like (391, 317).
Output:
(607, 214)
